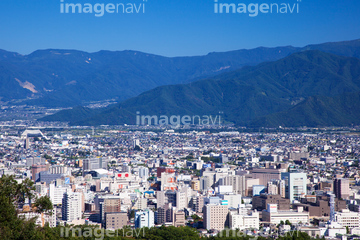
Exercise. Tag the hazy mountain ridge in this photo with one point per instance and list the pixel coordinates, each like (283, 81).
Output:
(70, 77)
(242, 95)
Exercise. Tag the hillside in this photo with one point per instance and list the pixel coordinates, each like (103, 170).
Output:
(317, 111)
(62, 78)
(242, 95)
(70, 78)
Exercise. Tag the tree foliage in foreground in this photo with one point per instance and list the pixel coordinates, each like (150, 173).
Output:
(13, 196)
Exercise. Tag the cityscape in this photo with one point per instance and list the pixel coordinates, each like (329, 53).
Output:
(268, 183)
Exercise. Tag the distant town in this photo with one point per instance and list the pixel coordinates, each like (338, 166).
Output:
(270, 182)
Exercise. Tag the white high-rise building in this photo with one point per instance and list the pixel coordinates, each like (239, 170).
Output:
(56, 194)
(181, 200)
(295, 185)
(144, 173)
(136, 142)
(71, 206)
(144, 219)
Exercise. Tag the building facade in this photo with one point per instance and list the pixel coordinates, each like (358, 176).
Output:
(295, 185)
(215, 216)
(144, 219)
(71, 206)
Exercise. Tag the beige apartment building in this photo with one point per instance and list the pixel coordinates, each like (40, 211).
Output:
(116, 220)
(215, 216)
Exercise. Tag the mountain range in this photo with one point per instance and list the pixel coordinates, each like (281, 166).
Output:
(63, 78)
(255, 87)
(254, 95)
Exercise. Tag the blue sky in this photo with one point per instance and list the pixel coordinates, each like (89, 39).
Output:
(173, 27)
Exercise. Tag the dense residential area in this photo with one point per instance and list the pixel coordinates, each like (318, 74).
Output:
(206, 182)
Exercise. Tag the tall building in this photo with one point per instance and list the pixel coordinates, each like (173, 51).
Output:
(168, 181)
(181, 200)
(272, 188)
(125, 168)
(199, 203)
(237, 181)
(27, 143)
(265, 175)
(275, 187)
(165, 197)
(56, 194)
(179, 219)
(56, 169)
(164, 214)
(36, 169)
(207, 179)
(160, 198)
(341, 188)
(144, 173)
(144, 219)
(109, 205)
(140, 203)
(136, 142)
(281, 187)
(95, 163)
(295, 185)
(71, 206)
(215, 216)
(206, 182)
(115, 220)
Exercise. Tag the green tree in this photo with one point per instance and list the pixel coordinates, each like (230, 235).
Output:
(16, 193)
(195, 217)
(12, 196)
(43, 204)
(131, 214)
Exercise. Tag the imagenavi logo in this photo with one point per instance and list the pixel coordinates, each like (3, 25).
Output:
(100, 9)
(177, 120)
(254, 9)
